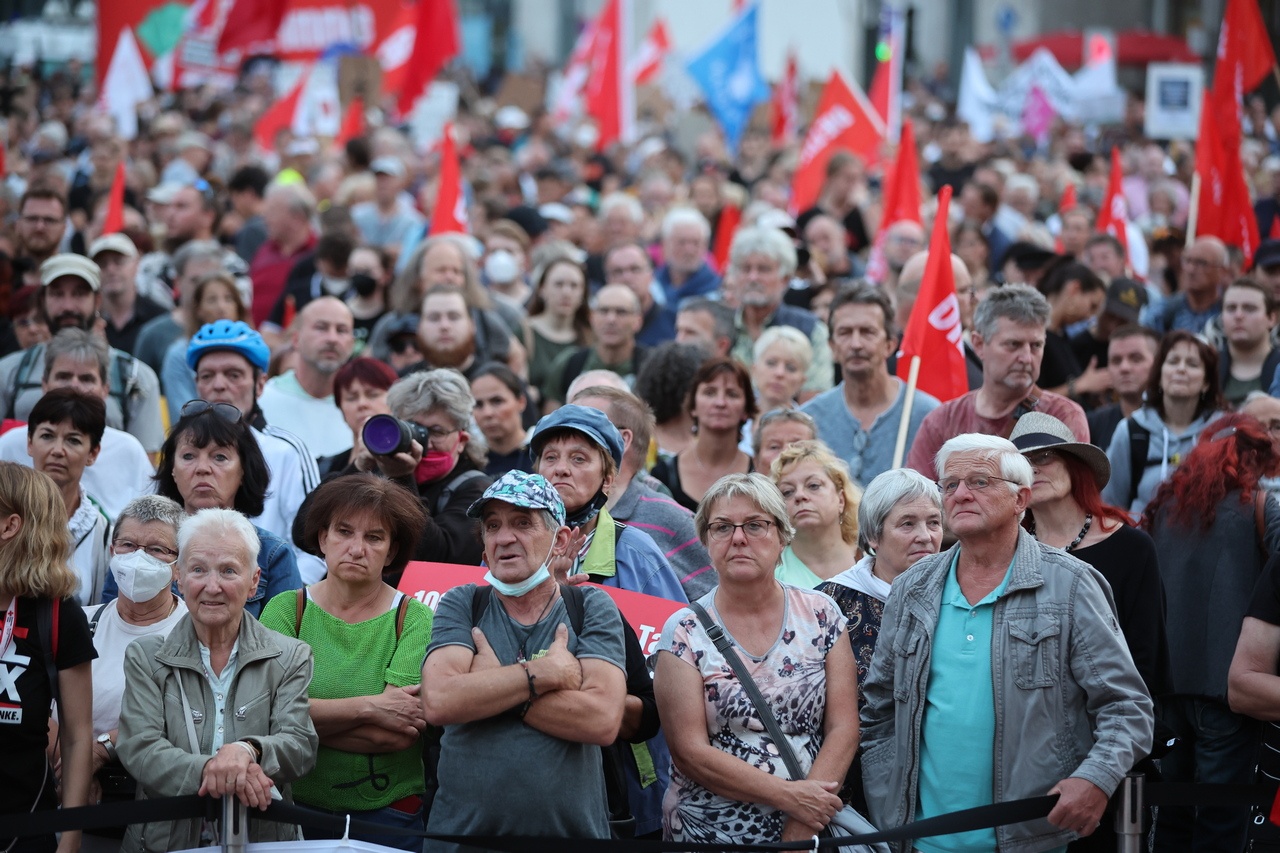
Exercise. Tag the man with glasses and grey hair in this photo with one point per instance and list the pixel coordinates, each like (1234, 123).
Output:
(1008, 336)
(1000, 672)
(762, 261)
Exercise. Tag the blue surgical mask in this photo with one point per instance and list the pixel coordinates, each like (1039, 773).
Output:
(517, 590)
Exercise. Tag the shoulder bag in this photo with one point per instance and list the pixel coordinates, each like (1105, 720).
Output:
(847, 822)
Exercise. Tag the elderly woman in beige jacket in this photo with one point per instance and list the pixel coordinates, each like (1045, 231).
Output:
(219, 707)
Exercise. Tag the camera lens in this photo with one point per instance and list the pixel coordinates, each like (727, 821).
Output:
(383, 435)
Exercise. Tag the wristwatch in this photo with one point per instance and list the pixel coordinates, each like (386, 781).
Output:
(105, 740)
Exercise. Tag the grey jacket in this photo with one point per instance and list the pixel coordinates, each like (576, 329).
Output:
(268, 702)
(1057, 655)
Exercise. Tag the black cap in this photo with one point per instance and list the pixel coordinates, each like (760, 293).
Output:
(1268, 254)
(1125, 299)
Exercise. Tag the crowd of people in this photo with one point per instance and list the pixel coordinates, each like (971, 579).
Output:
(230, 425)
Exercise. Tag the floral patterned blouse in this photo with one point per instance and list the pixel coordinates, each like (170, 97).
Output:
(792, 677)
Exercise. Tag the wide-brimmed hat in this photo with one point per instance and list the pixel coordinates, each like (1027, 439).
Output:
(1036, 431)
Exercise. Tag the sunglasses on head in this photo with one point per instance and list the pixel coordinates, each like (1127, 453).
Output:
(226, 411)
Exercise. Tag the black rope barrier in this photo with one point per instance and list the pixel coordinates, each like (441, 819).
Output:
(983, 817)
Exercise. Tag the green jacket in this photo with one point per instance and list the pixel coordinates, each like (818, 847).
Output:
(268, 701)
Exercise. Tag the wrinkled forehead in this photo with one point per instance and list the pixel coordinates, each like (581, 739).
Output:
(967, 462)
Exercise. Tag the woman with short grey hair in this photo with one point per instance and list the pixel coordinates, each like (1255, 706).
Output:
(727, 786)
(446, 392)
(782, 355)
(899, 522)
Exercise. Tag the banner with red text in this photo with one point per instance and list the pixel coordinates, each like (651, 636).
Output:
(644, 613)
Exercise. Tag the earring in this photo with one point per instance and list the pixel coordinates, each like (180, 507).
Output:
(694, 429)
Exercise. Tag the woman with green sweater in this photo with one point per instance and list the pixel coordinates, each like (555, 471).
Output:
(368, 640)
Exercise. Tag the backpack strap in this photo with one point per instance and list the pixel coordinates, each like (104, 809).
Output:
(453, 485)
(401, 609)
(479, 603)
(1260, 520)
(573, 368)
(47, 618)
(22, 376)
(1139, 444)
(97, 615)
(122, 382)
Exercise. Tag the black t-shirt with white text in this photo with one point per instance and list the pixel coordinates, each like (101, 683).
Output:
(25, 699)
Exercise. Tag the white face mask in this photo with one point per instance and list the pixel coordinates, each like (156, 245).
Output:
(500, 267)
(140, 576)
(522, 588)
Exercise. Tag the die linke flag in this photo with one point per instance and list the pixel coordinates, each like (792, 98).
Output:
(933, 332)
(610, 92)
(1113, 213)
(450, 213)
(251, 24)
(436, 40)
(728, 70)
(844, 119)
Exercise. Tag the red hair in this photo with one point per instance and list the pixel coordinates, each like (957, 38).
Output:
(1232, 453)
(1086, 494)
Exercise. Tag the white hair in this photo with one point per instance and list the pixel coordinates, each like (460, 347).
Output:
(1022, 181)
(621, 201)
(794, 340)
(885, 492)
(221, 524)
(685, 216)
(1013, 465)
(769, 242)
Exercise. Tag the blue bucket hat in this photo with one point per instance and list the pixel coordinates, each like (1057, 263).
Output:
(531, 491)
(590, 422)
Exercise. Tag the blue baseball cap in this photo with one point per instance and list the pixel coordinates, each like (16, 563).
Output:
(592, 423)
(531, 491)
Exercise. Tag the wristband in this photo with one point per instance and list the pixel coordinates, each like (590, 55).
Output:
(533, 690)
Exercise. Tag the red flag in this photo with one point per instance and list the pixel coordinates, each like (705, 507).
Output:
(843, 119)
(901, 199)
(730, 219)
(115, 203)
(450, 212)
(1245, 56)
(933, 332)
(786, 94)
(394, 51)
(353, 123)
(279, 116)
(610, 92)
(1114, 212)
(647, 62)
(435, 42)
(251, 23)
(1068, 200)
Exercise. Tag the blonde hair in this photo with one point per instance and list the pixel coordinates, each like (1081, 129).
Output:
(835, 469)
(36, 561)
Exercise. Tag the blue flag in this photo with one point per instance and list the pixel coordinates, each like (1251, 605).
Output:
(728, 70)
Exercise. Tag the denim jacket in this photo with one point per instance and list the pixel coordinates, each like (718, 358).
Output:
(1068, 699)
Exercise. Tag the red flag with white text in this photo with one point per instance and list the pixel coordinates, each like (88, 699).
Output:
(450, 212)
(786, 97)
(933, 331)
(1113, 214)
(843, 119)
(251, 24)
(436, 41)
(610, 91)
(647, 63)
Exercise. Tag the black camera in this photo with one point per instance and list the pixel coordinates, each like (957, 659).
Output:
(385, 435)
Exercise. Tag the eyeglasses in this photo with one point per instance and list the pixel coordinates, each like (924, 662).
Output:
(226, 411)
(606, 310)
(757, 528)
(436, 435)
(974, 483)
(160, 552)
(1041, 458)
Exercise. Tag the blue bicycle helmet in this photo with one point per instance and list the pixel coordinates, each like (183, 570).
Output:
(233, 335)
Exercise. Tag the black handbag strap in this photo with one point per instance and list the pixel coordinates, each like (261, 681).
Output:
(725, 647)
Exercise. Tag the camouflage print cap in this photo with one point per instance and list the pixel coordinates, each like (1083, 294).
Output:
(531, 491)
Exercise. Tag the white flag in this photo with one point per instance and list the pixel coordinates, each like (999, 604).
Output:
(977, 102)
(319, 111)
(126, 84)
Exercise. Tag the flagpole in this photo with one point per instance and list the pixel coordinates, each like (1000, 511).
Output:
(1194, 213)
(899, 449)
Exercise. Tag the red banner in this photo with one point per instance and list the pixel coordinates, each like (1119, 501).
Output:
(645, 613)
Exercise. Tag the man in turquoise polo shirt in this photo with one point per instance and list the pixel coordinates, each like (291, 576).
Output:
(1000, 673)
